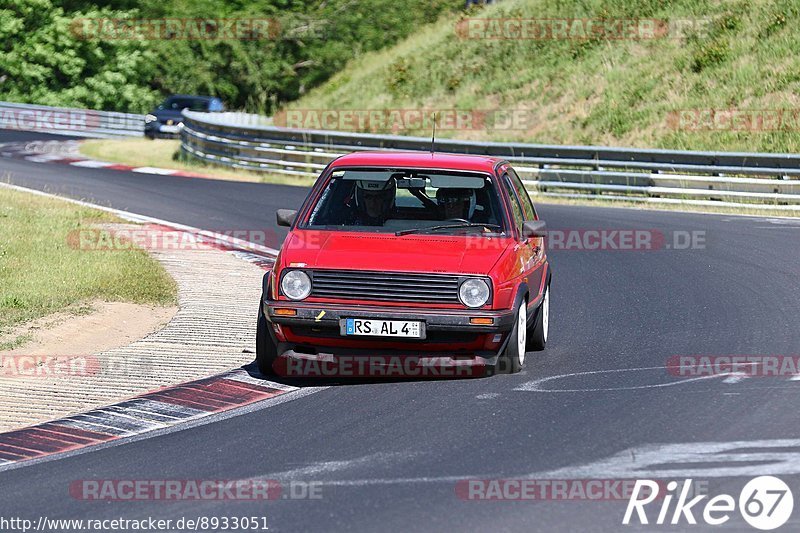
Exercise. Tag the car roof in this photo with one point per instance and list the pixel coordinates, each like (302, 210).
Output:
(428, 160)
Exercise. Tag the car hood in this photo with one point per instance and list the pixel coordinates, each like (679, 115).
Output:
(385, 252)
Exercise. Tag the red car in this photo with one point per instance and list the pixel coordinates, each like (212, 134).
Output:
(436, 256)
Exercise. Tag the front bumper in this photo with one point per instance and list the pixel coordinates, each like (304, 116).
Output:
(160, 128)
(330, 315)
(311, 343)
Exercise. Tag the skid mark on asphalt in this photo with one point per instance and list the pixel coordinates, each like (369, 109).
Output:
(538, 385)
(149, 412)
(747, 458)
(549, 384)
(694, 460)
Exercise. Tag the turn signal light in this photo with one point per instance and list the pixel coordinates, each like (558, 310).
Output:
(481, 321)
(285, 312)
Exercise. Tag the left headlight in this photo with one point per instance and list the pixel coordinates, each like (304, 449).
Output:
(150, 118)
(474, 292)
(296, 285)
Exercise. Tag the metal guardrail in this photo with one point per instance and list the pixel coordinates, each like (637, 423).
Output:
(753, 180)
(66, 121)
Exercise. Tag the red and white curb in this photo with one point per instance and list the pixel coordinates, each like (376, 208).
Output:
(149, 412)
(66, 153)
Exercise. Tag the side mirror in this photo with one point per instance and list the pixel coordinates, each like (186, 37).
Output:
(533, 228)
(286, 217)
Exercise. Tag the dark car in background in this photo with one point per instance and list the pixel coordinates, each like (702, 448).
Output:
(166, 119)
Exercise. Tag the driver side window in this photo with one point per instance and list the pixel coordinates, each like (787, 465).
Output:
(516, 208)
(527, 206)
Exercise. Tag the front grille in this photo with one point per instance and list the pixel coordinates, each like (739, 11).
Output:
(389, 286)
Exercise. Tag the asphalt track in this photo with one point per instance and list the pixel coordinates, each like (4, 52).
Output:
(388, 456)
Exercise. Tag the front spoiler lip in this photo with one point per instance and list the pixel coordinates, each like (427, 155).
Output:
(329, 315)
(483, 361)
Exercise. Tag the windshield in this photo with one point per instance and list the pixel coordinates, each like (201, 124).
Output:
(392, 201)
(179, 103)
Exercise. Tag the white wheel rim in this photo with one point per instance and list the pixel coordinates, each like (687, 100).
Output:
(546, 314)
(522, 331)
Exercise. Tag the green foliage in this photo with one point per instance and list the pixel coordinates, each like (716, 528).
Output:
(43, 60)
(47, 58)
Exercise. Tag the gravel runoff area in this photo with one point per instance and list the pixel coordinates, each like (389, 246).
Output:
(213, 331)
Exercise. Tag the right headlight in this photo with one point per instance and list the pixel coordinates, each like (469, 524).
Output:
(296, 285)
(150, 118)
(474, 292)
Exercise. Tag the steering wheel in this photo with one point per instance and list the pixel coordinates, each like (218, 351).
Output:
(465, 221)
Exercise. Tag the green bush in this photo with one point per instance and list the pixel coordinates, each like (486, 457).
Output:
(46, 60)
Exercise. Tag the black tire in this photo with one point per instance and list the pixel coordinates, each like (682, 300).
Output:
(539, 330)
(512, 359)
(266, 349)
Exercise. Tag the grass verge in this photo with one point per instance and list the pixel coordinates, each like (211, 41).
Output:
(163, 153)
(40, 273)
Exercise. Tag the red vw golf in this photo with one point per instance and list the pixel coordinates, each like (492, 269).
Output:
(393, 254)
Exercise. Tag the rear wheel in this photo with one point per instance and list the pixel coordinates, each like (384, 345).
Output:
(513, 357)
(266, 350)
(537, 336)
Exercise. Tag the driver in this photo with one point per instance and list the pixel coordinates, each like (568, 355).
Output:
(456, 203)
(374, 201)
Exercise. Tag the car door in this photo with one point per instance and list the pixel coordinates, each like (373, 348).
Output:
(531, 250)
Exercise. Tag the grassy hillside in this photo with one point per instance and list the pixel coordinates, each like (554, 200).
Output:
(740, 55)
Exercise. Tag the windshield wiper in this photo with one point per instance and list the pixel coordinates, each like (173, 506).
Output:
(446, 226)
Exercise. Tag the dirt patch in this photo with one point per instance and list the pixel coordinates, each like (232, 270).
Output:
(103, 326)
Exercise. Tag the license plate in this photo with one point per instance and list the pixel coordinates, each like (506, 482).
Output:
(169, 129)
(383, 328)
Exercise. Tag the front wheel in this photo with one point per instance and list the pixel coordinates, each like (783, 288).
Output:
(513, 357)
(266, 350)
(537, 336)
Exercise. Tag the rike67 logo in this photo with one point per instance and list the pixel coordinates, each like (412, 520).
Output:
(765, 503)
